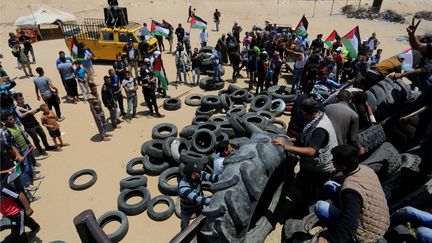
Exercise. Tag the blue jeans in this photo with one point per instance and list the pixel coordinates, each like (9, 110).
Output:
(181, 68)
(27, 171)
(417, 217)
(297, 77)
(186, 216)
(327, 211)
(132, 105)
(216, 73)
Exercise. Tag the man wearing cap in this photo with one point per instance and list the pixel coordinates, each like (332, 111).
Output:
(192, 199)
(339, 60)
(314, 148)
(379, 71)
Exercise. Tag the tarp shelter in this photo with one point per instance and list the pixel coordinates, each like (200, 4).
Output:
(45, 21)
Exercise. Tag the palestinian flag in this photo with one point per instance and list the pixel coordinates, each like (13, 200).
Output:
(198, 23)
(351, 42)
(75, 49)
(159, 29)
(302, 26)
(332, 38)
(408, 63)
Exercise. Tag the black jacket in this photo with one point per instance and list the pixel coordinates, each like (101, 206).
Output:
(108, 98)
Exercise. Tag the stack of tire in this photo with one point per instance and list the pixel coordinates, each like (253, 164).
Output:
(208, 69)
(388, 99)
(388, 96)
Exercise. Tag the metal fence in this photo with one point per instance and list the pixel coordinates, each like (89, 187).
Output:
(89, 30)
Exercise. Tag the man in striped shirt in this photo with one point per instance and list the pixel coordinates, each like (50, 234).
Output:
(192, 198)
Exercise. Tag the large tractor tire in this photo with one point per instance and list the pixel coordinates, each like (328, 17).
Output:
(244, 199)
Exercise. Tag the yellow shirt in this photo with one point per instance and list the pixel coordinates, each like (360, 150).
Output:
(387, 66)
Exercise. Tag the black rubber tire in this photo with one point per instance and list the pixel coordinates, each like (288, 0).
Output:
(166, 148)
(164, 127)
(279, 124)
(222, 137)
(251, 199)
(266, 114)
(86, 185)
(260, 102)
(238, 110)
(200, 119)
(266, 93)
(115, 215)
(193, 100)
(239, 96)
(282, 92)
(135, 208)
(257, 120)
(144, 147)
(385, 161)
(212, 126)
(177, 146)
(164, 177)
(371, 100)
(208, 84)
(187, 156)
(237, 124)
(203, 141)
(160, 216)
(379, 93)
(232, 88)
(277, 107)
(371, 138)
(211, 102)
(154, 166)
(210, 71)
(250, 97)
(218, 119)
(226, 102)
(132, 182)
(154, 148)
(189, 130)
(172, 104)
(298, 230)
(201, 111)
(388, 89)
(129, 167)
(206, 49)
(228, 129)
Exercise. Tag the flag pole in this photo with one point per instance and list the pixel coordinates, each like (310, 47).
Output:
(313, 15)
(331, 10)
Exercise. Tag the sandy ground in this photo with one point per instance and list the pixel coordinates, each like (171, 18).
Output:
(59, 204)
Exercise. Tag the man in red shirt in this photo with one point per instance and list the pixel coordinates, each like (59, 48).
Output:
(16, 207)
(338, 58)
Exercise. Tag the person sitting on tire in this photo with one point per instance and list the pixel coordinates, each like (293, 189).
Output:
(363, 214)
(316, 141)
(223, 150)
(191, 195)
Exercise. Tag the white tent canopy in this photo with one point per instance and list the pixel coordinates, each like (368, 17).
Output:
(45, 15)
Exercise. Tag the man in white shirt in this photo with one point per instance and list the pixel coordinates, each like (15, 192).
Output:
(223, 150)
(130, 86)
(203, 38)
